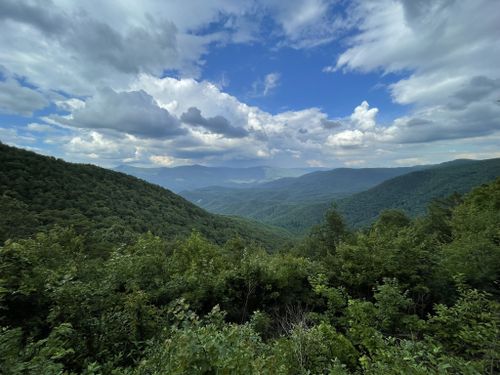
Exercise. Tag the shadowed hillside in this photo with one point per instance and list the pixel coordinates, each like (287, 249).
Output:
(412, 192)
(38, 192)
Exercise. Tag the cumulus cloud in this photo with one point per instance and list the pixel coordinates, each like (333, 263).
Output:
(450, 57)
(346, 138)
(330, 124)
(203, 112)
(20, 100)
(364, 117)
(133, 112)
(70, 46)
(217, 124)
(444, 58)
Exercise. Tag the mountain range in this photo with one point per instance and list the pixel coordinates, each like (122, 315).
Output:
(412, 192)
(359, 194)
(53, 192)
(191, 177)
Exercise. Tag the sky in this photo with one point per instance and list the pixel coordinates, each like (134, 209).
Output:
(296, 83)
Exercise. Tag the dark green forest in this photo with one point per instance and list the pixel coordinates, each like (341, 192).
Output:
(38, 192)
(102, 273)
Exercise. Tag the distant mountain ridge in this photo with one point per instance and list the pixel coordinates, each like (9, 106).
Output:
(292, 202)
(360, 194)
(320, 184)
(192, 177)
(412, 192)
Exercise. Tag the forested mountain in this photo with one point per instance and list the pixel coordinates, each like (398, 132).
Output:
(412, 192)
(37, 192)
(292, 203)
(317, 185)
(402, 297)
(191, 177)
(299, 203)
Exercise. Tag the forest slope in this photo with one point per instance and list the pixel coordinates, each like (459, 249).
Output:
(402, 297)
(292, 203)
(299, 203)
(412, 192)
(37, 192)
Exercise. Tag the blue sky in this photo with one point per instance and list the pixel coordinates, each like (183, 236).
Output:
(241, 83)
(302, 83)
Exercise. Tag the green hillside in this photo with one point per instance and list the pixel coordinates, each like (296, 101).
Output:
(37, 192)
(402, 297)
(412, 192)
(295, 204)
(319, 185)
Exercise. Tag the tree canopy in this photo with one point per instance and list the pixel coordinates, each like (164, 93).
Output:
(404, 296)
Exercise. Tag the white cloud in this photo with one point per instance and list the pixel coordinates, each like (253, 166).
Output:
(76, 47)
(346, 138)
(363, 117)
(42, 128)
(265, 86)
(13, 137)
(70, 104)
(329, 69)
(222, 129)
(306, 23)
(450, 50)
(446, 56)
(97, 144)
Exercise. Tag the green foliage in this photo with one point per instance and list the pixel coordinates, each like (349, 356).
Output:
(475, 249)
(401, 297)
(470, 328)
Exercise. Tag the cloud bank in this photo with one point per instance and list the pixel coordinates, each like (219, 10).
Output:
(121, 82)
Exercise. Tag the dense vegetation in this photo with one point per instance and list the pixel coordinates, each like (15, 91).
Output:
(402, 297)
(37, 192)
(296, 204)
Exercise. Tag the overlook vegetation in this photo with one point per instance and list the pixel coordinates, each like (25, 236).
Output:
(94, 281)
